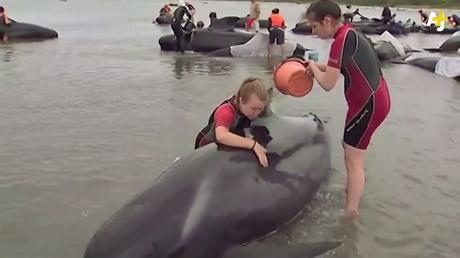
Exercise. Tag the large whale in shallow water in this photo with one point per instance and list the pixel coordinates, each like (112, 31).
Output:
(257, 46)
(224, 43)
(18, 31)
(204, 40)
(390, 49)
(164, 19)
(452, 44)
(209, 203)
(442, 65)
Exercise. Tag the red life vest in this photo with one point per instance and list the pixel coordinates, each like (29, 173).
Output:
(277, 21)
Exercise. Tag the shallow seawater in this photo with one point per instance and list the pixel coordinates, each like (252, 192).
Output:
(90, 119)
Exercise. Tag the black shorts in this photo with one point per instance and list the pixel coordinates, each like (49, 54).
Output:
(278, 34)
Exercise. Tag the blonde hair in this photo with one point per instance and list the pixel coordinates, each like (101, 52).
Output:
(253, 85)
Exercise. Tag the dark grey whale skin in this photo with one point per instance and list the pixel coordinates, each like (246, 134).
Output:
(209, 203)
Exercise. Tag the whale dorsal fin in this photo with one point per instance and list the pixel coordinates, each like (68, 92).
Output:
(262, 250)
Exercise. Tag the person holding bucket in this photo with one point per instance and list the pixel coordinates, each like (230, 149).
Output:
(276, 26)
(366, 89)
(227, 122)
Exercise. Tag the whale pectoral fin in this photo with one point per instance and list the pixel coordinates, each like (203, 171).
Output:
(413, 51)
(400, 59)
(432, 49)
(262, 250)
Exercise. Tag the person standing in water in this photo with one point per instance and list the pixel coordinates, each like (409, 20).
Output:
(348, 17)
(276, 26)
(254, 15)
(212, 17)
(423, 16)
(4, 18)
(176, 25)
(386, 14)
(5, 21)
(366, 90)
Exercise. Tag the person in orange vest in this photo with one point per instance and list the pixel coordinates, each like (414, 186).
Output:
(276, 26)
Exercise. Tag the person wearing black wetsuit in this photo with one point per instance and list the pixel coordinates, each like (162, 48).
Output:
(177, 27)
(212, 18)
(423, 16)
(386, 14)
(348, 17)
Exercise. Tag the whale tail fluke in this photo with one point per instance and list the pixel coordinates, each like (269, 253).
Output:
(262, 250)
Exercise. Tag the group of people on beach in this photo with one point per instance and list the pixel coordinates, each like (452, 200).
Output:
(351, 54)
(452, 21)
(184, 13)
(366, 92)
(387, 16)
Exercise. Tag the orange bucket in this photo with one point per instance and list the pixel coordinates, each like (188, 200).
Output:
(290, 77)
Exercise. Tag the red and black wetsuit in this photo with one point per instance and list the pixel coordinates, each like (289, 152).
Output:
(226, 115)
(366, 90)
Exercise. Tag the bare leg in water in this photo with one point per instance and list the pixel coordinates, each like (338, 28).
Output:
(354, 162)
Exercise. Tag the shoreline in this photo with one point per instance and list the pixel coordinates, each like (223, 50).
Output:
(449, 6)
